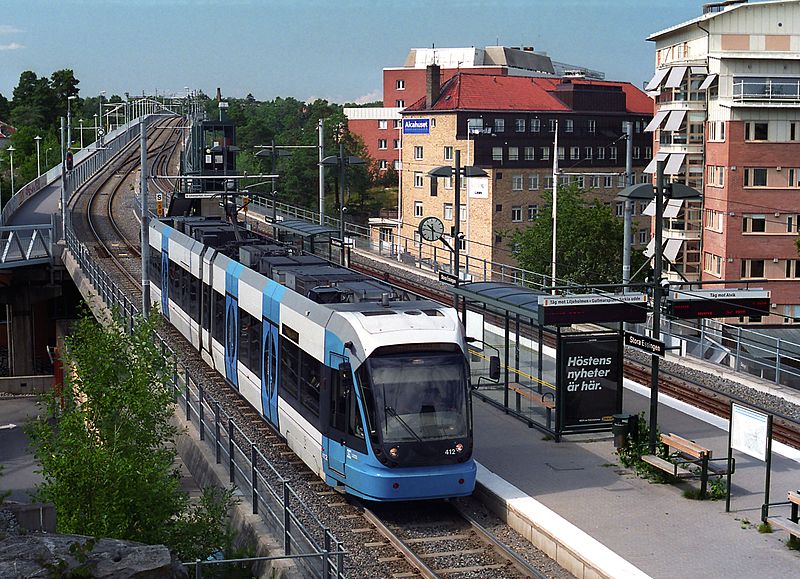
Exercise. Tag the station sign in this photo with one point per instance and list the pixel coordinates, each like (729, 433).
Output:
(592, 309)
(717, 303)
(448, 278)
(416, 126)
(159, 203)
(645, 343)
(337, 242)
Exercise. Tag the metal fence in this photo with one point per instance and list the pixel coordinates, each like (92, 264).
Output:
(270, 494)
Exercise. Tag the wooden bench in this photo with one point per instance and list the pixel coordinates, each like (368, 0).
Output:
(546, 400)
(687, 452)
(789, 524)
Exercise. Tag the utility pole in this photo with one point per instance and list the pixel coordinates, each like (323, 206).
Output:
(626, 236)
(457, 226)
(145, 219)
(321, 133)
(657, 294)
(555, 206)
(63, 181)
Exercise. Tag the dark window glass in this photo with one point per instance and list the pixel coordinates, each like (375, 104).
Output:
(219, 318)
(206, 307)
(310, 376)
(290, 367)
(338, 401)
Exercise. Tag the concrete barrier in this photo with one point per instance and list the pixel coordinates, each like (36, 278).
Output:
(26, 384)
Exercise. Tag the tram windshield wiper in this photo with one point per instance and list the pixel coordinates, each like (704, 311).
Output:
(391, 411)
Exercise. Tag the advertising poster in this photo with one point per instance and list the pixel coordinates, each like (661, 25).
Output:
(589, 381)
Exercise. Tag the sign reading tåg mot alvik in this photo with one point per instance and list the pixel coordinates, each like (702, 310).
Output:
(416, 126)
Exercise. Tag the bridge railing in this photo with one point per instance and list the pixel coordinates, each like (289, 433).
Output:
(271, 495)
(26, 244)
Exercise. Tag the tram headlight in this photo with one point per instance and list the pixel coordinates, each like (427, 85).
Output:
(459, 447)
(393, 452)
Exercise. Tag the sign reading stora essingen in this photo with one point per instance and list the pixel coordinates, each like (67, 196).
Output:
(416, 126)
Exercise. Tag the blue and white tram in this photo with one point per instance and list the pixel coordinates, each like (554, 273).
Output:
(372, 395)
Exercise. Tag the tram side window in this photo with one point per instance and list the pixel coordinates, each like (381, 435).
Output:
(185, 284)
(338, 401)
(290, 366)
(310, 375)
(194, 296)
(354, 427)
(154, 271)
(218, 332)
(206, 306)
(174, 283)
(250, 342)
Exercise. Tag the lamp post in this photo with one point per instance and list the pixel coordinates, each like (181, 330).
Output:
(80, 121)
(38, 139)
(46, 151)
(646, 191)
(457, 173)
(341, 162)
(11, 150)
(69, 120)
(100, 118)
(273, 153)
(96, 129)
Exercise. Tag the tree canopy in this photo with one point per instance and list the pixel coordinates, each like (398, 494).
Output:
(589, 244)
(107, 458)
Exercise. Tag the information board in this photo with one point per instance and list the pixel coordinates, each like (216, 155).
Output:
(749, 431)
(721, 303)
(589, 381)
(592, 309)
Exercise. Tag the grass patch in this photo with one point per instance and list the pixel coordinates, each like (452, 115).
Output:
(793, 543)
(764, 527)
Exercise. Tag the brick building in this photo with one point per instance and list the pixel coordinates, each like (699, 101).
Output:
(506, 126)
(728, 123)
(404, 85)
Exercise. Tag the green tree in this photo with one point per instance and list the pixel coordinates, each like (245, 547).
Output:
(5, 109)
(107, 460)
(589, 244)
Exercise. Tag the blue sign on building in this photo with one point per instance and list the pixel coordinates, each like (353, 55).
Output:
(416, 126)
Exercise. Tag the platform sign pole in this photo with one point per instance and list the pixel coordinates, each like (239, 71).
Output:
(657, 291)
(729, 476)
(769, 462)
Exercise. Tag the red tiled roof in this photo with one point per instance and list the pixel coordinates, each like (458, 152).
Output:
(518, 93)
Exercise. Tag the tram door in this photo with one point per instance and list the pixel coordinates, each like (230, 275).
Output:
(269, 374)
(337, 429)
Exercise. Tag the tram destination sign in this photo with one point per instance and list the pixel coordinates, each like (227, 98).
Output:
(645, 343)
(717, 303)
(594, 308)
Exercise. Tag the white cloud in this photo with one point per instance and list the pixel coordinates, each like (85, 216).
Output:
(7, 29)
(370, 97)
(12, 46)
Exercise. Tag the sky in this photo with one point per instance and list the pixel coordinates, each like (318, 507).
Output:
(307, 49)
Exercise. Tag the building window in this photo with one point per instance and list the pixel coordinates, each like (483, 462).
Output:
(516, 182)
(608, 181)
(591, 126)
(498, 208)
(752, 223)
(714, 220)
(418, 153)
(545, 153)
(619, 209)
(396, 164)
(448, 211)
(497, 153)
(562, 153)
(535, 125)
(569, 125)
(644, 236)
(448, 182)
(648, 152)
(637, 152)
(433, 123)
(400, 103)
(794, 177)
(548, 182)
(533, 182)
(530, 153)
(397, 143)
(519, 125)
(474, 125)
(712, 263)
(756, 131)
(418, 179)
(499, 125)
(580, 181)
(417, 238)
(752, 268)
(792, 223)
(383, 164)
(382, 124)
(516, 213)
(381, 143)
(553, 125)
(587, 153)
(400, 84)
(793, 133)
(563, 180)
(601, 153)
(448, 153)
(594, 181)
(533, 212)
(462, 213)
(644, 178)
(398, 124)
(755, 177)
(574, 153)
(417, 208)
(613, 153)
(793, 268)
(513, 153)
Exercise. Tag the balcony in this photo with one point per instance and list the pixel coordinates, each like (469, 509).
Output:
(759, 91)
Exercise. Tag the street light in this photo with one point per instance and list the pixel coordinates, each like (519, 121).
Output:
(37, 138)
(11, 150)
(80, 121)
(69, 120)
(646, 191)
(100, 130)
(457, 172)
(341, 162)
(96, 129)
(273, 153)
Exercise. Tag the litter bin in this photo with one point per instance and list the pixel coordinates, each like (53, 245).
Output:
(624, 426)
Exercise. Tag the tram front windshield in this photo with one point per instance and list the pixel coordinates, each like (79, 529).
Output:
(420, 396)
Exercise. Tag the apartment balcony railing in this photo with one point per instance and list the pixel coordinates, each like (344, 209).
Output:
(771, 90)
